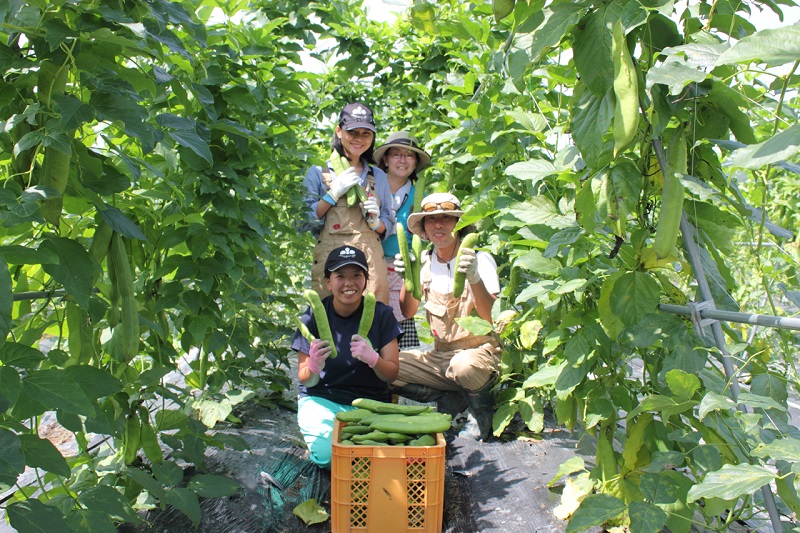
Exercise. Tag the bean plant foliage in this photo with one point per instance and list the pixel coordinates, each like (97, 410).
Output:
(183, 130)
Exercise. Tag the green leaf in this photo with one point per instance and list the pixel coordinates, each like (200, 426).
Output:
(32, 516)
(475, 325)
(6, 300)
(186, 502)
(592, 48)
(10, 387)
(714, 402)
(532, 414)
(146, 481)
(731, 482)
(213, 486)
(529, 332)
(634, 295)
(52, 388)
(591, 124)
(760, 402)
(682, 384)
(646, 517)
(772, 46)
(570, 466)
(95, 382)
(675, 75)
(565, 238)
(110, 501)
(661, 461)
(770, 386)
(121, 223)
(569, 378)
(212, 412)
(194, 142)
(534, 170)
(310, 512)
(585, 208)
(19, 355)
(783, 449)
(75, 271)
(90, 521)
(40, 453)
(23, 255)
(558, 18)
(534, 261)
(783, 146)
(12, 460)
(546, 375)
(595, 510)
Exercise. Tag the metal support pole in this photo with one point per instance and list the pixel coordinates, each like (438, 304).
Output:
(719, 338)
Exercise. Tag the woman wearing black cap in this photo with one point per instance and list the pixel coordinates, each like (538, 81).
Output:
(365, 224)
(363, 368)
(401, 158)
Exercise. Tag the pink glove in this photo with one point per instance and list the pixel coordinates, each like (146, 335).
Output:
(361, 349)
(319, 352)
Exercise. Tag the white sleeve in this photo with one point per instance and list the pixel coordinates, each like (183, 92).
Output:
(487, 268)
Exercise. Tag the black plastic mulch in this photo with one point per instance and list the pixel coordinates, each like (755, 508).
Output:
(494, 486)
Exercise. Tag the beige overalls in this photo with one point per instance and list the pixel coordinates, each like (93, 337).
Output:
(346, 225)
(459, 360)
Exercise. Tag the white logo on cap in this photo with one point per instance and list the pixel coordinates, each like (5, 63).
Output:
(360, 112)
(347, 253)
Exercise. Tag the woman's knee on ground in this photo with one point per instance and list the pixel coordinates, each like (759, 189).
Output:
(319, 450)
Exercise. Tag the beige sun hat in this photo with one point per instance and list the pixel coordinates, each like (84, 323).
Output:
(403, 139)
(438, 203)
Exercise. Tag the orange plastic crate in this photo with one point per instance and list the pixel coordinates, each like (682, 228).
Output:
(387, 489)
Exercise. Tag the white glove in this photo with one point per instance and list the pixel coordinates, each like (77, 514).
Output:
(341, 183)
(468, 264)
(399, 264)
(371, 210)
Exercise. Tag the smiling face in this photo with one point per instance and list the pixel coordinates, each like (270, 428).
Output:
(355, 142)
(439, 230)
(400, 162)
(347, 285)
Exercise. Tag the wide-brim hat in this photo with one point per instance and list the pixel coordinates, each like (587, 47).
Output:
(402, 139)
(438, 203)
(356, 115)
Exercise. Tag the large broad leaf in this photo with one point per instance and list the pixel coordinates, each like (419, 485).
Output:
(213, 486)
(94, 382)
(6, 300)
(10, 386)
(731, 482)
(19, 355)
(23, 255)
(533, 170)
(558, 18)
(535, 262)
(12, 460)
(785, 449)
(32, 516)
(770, 386)
(592, 48)
(784, 145)
(91, 521)
(121, 224)
(212, 412)
(53, 389)
(646, 517)
(682, 384)
(186, 502)
(475, 325)
(674, 74)
(40, 453)
(75, 271)
(569, 378)
(109, 501)
(546, 375)
(773, 47)
(715, 402)
(595, 510)
(591, 125)
(635, 294)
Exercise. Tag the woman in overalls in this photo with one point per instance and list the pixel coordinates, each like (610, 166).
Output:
(362, 225)
(401, 158)
(460, 362)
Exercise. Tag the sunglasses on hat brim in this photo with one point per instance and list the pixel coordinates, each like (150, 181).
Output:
(440, 206)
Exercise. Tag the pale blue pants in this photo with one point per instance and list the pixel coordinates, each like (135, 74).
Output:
(315, 417)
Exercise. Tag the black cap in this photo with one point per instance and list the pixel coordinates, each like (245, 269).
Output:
(343, 256)
(356, 115)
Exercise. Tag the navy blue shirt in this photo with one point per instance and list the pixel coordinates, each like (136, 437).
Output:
(345, 378)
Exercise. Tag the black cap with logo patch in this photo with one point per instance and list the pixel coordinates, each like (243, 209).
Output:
(343, 256)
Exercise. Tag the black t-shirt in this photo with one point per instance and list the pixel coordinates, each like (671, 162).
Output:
(346, 378)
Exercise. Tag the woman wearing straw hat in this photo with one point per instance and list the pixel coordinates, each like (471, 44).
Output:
(333, 222)
(401, 158)
(460, 361)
